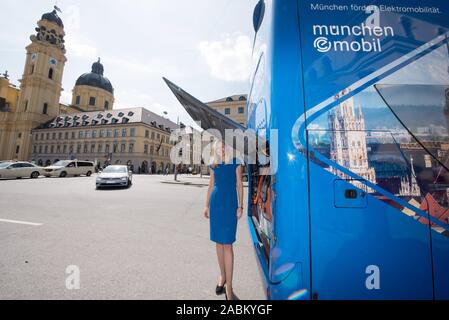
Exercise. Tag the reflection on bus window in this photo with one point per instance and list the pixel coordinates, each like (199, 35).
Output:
(392, 141)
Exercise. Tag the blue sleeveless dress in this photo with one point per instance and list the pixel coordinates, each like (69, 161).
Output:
(224, 204)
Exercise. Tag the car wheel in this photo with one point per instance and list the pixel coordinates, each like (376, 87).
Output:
(63, 174)
(35, 175)
(89, 173)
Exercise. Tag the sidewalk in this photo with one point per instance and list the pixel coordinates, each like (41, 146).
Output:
(191, 180)
(187, 180)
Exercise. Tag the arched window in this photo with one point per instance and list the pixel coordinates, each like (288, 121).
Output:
(45, 109)
(106, 105)
(32, 69)
(50, 73)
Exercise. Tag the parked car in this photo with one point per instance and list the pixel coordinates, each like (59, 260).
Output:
(19, 169)
(115, 176)
(65, 168)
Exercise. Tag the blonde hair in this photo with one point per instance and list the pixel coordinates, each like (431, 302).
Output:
(217, 157)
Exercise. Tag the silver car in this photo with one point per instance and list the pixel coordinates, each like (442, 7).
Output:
(19, 169)
(114, 176)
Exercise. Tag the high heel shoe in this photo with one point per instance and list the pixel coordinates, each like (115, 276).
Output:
(220, 289)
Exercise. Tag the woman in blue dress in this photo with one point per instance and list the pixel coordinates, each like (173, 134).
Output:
(224, 206)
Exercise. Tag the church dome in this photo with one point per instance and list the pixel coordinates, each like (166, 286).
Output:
(95, 78)
(53, 17)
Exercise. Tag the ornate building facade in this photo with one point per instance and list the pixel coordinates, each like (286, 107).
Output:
(37, 100)
(348, 145)
(135, 136)
(35, 126)
(93, 91)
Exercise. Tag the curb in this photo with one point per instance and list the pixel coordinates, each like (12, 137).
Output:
(245, 184)
(186, 183)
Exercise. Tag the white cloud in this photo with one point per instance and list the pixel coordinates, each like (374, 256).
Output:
(131, 98)
(229, 59)
(153, 66)
(78, 48)
(66, 96)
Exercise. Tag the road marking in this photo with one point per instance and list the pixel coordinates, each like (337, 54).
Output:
(21, 222)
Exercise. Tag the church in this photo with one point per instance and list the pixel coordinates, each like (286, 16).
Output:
(348, 141)
(35, 126)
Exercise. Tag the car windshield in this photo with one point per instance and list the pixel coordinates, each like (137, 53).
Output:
(62, 163)
(4, 164)
(113, 169)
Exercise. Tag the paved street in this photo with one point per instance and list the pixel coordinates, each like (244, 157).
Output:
(146, 242)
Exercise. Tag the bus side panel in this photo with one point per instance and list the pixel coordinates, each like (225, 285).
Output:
(375, 252)
(259, 108)
(290, 259)
(276, 100)
(440, 252)
(352, 51)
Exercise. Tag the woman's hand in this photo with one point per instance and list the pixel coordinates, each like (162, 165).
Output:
(239, 213)
(206, 212)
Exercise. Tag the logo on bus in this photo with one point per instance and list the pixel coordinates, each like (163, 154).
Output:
(322, 44)
(362, 38)
(365, 37)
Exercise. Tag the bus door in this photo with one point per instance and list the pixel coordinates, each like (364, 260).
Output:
(375, 134)
(423, 109)
(364, 245)
(382, 155)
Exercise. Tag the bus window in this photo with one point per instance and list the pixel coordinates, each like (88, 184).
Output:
(391, 139)
(261, 210)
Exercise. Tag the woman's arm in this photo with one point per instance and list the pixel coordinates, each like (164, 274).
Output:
(239, 191)
(209, 190)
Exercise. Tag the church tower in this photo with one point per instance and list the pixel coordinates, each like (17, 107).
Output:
(41, 83)
(348, 140)
(410, 187)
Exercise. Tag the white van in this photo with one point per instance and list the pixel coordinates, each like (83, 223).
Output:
(65, 168)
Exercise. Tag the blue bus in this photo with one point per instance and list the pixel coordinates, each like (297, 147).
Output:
(358, 93)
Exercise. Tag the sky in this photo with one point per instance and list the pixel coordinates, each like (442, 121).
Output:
(204, 46)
